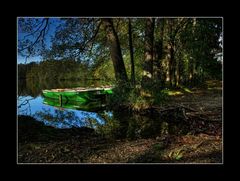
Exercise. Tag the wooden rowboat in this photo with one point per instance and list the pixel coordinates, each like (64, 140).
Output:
(78, 94)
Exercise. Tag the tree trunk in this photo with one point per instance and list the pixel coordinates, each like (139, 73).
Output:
(115, 50)
(159, 54)
(172, 62)
(148, 61)
(191, 71)
(177, 74)
(131, 52)
(171, 65)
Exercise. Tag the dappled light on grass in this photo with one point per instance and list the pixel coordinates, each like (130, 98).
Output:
(179, 91)
(187, 90)
(172, 92)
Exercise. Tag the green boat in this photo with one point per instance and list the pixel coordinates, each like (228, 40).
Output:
(78, 94)
(85, 106)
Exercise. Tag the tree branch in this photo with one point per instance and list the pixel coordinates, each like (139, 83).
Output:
(93, 37)
(41, 35)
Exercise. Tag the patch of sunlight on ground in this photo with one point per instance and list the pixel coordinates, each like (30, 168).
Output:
(172, 93)
(215, 88)
(214, 83)
(187, 90)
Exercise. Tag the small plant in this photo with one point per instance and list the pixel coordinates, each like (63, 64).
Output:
(176, 155)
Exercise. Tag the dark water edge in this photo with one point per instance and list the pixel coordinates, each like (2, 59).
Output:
(38, 143)
(31, 130)
(117, 125)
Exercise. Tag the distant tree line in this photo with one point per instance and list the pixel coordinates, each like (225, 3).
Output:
(54, 70)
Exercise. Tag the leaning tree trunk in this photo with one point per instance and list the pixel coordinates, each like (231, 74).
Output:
(148, 61)
(115, 50)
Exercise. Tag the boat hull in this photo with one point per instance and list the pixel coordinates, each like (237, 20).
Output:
(79, 96)
(86, 106)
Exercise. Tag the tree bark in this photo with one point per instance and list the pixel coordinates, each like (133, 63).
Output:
(159, 53)
(115, 50)
(148, 61)
(177, 74)
(171, 65)
(131, 52)
(172, 62)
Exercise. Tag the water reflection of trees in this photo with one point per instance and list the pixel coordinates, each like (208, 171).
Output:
(137, 126)
(123, 124)
(116, 125)
(23, 105)
(68, 119)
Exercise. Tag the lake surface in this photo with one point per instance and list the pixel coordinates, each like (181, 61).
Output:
(57, 117)
(31, 102)
(115, 124)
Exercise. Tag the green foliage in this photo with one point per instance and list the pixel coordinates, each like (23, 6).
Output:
(176, 154)
(184, 54)
(159, 97)
(110, 127)
(135, 98)
(138, 102)
(105, 72)
(120, 94)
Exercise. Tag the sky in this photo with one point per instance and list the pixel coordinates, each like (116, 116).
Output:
(54, 22)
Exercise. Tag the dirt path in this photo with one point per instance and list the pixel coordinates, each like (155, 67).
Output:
(194, 148)
(206, 98)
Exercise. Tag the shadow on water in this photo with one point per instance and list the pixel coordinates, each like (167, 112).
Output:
(30, 130)
(112, 124)
(124, 124)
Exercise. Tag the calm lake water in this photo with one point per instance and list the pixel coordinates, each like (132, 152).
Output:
(31, 102)
(118, 124)
(57, 117)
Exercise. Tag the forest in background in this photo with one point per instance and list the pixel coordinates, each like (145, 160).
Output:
(159, 51)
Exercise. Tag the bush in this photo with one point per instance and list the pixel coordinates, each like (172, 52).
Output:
(136, 98)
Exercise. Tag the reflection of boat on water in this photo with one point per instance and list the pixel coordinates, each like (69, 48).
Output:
(67, 104)
(78, 94)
